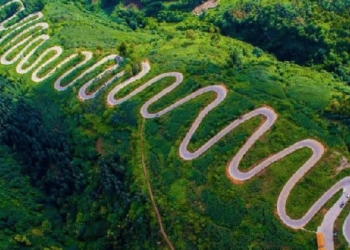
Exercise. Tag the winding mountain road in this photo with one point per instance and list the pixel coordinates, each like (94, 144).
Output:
(346, 228)
(233, 170)
(327, 226)
(28, 32)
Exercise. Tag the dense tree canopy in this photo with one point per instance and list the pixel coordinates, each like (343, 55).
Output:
(70, 170)
(298, 31)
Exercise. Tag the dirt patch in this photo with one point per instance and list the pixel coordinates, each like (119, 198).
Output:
(135, 3)
(324, 210)
(343, 164)
(99, 147)
(205, 6)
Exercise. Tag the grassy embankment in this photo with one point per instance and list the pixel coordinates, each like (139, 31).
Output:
(200, 206)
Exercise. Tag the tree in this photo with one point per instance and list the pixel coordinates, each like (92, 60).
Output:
(122, 49)
(45, 152)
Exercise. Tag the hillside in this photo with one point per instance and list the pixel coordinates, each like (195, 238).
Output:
(105, 102)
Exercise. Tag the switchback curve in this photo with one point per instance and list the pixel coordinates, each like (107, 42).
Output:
(24, 30)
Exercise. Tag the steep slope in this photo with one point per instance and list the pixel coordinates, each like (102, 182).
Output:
(200, 206)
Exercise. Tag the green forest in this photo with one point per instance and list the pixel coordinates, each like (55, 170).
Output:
(72, 172)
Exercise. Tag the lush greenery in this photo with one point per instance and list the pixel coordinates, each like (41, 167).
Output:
(312, 33)
(70, 171)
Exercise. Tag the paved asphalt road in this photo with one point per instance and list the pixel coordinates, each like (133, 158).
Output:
(346, 227)
(327, 226)
(233, 170)
(15, 41)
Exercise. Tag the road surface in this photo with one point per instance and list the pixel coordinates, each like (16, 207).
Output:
(327, 226)
(25, 33)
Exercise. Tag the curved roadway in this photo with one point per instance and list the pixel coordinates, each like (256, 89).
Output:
(15, 40)
(233, 169)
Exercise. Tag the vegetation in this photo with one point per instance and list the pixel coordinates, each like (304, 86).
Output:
(318, 30)
(70, 171)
